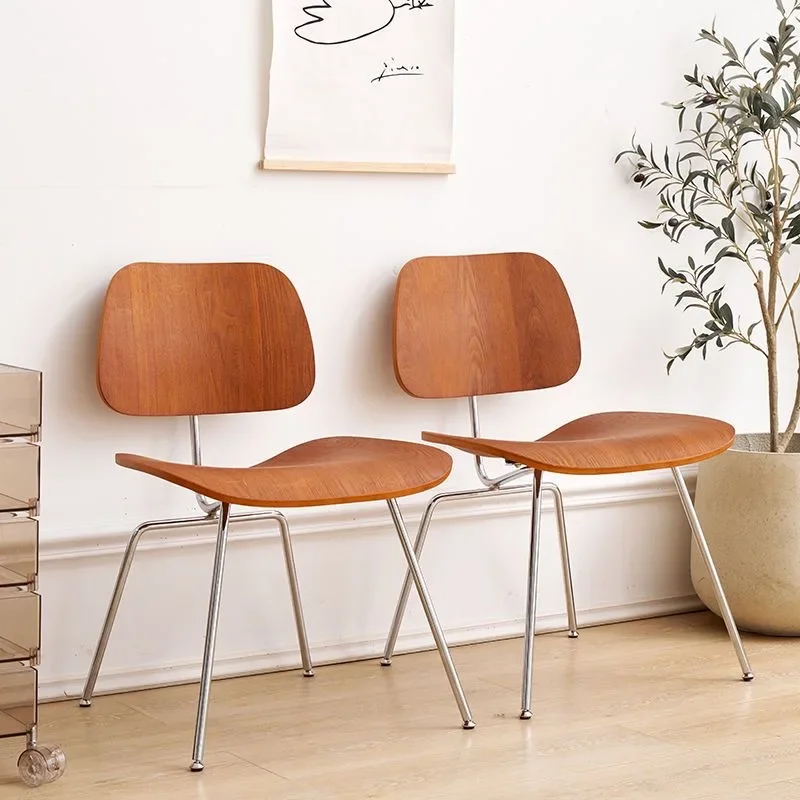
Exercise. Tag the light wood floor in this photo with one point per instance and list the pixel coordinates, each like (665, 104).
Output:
(650, 709)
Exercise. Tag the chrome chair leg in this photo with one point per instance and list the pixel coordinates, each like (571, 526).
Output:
(533, 585)
(211, 638)
(294, 587)
(700, 539)
(192, 522)
(111, 614)
(430, 613)
(566, 567)
(419, 544)
(422, 535)
(402, 602)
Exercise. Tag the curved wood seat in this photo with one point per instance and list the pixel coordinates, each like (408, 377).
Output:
(602, 444)
(328, 471)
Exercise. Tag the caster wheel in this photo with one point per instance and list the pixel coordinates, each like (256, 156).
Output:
(39, 765)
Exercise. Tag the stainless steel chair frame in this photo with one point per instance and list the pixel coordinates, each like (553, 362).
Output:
(214, 513)
(493, 487)
(496, 487)
(220, 514)
(533, 575)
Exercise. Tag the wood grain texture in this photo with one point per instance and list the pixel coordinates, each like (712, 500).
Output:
(487, 324)
(648, 710)
(194, 339)
(322, 472)
(615, 442)
(185, 339)
(483, 324)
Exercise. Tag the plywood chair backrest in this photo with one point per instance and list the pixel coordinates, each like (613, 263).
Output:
(186, 339)
(483, 324)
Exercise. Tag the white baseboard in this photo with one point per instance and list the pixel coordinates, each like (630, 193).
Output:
(629, 552)
(236, 666)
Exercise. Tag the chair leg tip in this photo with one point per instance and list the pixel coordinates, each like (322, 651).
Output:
(573, 634)
(469, 725)
(526, 714)
(308, 673)
(84, 703)
(748, 676)
(386, 662)
(197, 766)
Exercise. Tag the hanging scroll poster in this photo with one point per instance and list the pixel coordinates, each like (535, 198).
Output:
(361, 86)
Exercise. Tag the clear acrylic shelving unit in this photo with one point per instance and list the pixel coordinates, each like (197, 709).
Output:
(20, 603)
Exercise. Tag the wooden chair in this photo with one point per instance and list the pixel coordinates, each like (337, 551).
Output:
(489, 324)
(195, 339)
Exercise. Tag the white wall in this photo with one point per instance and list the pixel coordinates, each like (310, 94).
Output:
(132, 130)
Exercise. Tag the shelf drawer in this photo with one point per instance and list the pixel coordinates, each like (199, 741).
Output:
(20, 622)
(20, 401)
(19, 475)
(19, 550)
(18, 699)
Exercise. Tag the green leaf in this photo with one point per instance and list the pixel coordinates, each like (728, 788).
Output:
(727, 226)
(769, 58)
(730, 253)
(688, 294)
(730, 48)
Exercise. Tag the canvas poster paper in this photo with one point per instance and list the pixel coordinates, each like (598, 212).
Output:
(361, 81)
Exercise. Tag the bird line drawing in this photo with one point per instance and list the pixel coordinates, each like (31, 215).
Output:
(336, 22)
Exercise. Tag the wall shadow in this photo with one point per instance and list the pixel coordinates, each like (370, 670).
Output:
(264, 64)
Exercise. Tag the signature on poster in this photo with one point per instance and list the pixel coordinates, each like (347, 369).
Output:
(391, 69)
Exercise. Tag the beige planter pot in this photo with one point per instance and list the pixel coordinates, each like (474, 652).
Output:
(748, 502)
